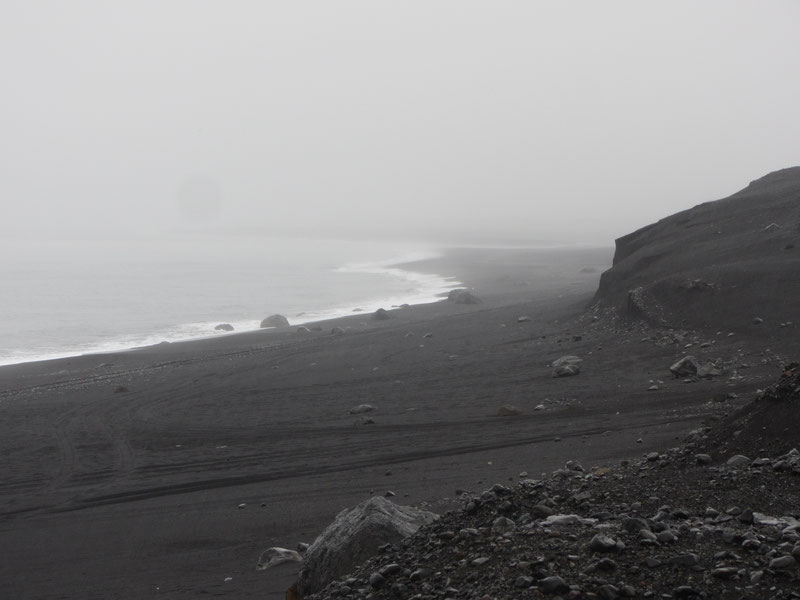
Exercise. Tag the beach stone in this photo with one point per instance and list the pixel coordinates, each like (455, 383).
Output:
(360, 409)
(685, 367)
(502, 524)
(337, 331)
(568, 359)
(783, 562)
(708, 370)
(523, 581)
(275, 321)
(566, 366)
(355, 535)
(462, 296)
(553, 585)
(603, 543)
(224, 327)
(303, 329)
(276, 556)
(381, 315)
(702, 459)
(738, 461)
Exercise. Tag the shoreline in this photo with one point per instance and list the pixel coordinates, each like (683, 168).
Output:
(432, 285)
(457, 260)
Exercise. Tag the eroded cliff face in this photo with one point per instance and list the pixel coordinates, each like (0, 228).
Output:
(721, 263)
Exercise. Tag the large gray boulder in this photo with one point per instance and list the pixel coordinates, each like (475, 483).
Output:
(355, 535)
(275, 321)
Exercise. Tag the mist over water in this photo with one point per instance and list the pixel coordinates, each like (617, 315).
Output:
(52, 308)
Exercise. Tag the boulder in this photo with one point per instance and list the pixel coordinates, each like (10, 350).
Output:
(566, 366)
(275, 321)
(337, 331)
(685, 367)
(224, 327)
(462, 296)
(355, 535)
(381, 315)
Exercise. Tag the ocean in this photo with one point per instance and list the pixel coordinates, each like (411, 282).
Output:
(99, 298)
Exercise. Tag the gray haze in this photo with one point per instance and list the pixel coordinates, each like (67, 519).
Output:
(458, 121)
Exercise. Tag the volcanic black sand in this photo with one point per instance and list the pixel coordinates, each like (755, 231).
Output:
(167, 471)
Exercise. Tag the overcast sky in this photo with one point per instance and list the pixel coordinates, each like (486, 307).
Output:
(492, 120)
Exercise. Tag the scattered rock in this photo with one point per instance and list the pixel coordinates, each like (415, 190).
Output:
(275, 321)
(381, 315)
(685, 367)
(224, 327)
(462, 296)
(566, 366)
(738, 461)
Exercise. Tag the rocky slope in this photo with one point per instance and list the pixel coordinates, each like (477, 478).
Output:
(731, 263)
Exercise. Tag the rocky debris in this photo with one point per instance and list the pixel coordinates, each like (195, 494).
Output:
(381, 315)
(355, 535)
(224, 327)
(508, 410)
(360, 409)
(566, 366)
(641, 530)
(275, 321)
(462, 296)
(274, 556)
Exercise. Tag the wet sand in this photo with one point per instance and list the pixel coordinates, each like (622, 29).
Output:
(166, 471)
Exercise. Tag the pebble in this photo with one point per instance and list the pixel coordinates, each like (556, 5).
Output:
(603, 543)
(783, 562)
(553, 585)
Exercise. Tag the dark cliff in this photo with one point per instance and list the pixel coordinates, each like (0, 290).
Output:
(720, 264)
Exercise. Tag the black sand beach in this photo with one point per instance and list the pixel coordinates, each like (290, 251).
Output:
(166, 471)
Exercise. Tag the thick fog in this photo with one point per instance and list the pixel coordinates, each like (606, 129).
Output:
(454, 121)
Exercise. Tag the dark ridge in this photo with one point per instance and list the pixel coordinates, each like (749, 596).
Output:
(721, 264)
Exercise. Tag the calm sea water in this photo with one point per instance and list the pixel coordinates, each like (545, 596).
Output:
(95, 300)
